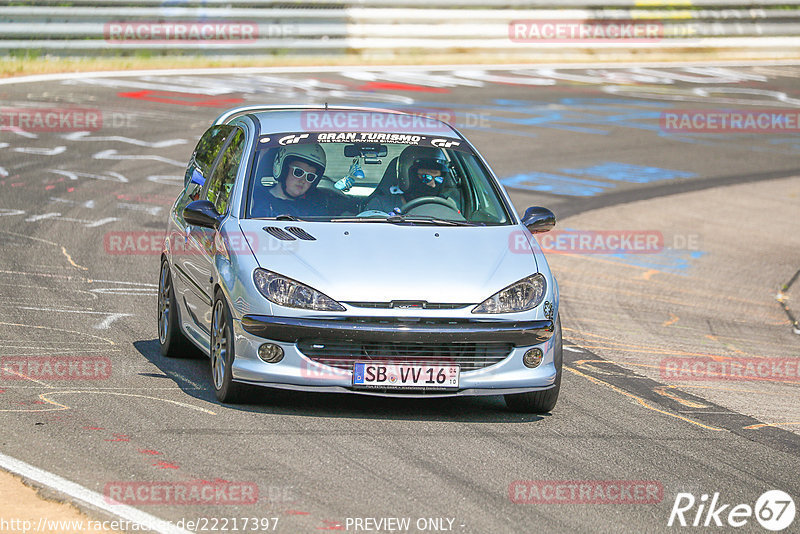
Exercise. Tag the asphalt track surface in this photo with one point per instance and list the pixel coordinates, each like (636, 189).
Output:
(726, 205)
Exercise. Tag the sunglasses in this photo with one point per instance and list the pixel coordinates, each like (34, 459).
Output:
(297, 172)
(425, 177)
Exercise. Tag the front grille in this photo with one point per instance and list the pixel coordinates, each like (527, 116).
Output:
(399, 304)
(469, 356)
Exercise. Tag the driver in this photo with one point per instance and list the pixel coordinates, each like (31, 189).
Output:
(421, 172)
(297, 169)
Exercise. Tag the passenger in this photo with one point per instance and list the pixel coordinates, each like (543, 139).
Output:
(297, 169)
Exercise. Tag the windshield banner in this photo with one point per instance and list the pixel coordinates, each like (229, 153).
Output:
(294, 138)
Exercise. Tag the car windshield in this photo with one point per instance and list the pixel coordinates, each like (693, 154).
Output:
(380, 177)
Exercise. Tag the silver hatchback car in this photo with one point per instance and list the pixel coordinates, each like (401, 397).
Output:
(355, 250)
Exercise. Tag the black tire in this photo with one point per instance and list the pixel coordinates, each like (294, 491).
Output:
(223, 352)
(171, 341)
(541, 401)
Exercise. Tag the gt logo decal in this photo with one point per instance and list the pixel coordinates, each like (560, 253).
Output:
(291, 139)
(444, 143)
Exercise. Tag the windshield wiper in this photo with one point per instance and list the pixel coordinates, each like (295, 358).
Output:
(426, 220)
(286, 217)
(358, 219)
(394, 219)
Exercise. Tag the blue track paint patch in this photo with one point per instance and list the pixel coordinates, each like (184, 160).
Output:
(673, 261)
(625, 172)
(555, 184)
(577, 185)
(789, 142)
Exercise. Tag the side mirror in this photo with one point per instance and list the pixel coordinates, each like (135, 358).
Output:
(538, 220)
(201, 213)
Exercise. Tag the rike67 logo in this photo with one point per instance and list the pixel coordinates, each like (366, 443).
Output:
(774, 510)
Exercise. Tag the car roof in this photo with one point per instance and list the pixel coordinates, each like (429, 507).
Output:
(275, 119)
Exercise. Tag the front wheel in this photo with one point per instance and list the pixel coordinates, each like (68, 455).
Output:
(223, 352)
(171, 341)
(541, 401)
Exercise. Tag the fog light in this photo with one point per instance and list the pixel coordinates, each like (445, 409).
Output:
(532, 358)
(270, 353)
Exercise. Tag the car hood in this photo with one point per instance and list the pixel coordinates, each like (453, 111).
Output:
(381, 262)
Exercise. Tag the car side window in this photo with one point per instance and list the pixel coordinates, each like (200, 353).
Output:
(206, 151)
(224, 174)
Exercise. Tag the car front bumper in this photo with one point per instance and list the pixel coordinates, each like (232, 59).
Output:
(299, 372)
(292, 329)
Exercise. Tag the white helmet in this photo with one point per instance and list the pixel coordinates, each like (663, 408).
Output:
(310, 153)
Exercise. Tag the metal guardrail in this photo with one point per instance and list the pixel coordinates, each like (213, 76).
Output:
(448, 4)
(269, 26)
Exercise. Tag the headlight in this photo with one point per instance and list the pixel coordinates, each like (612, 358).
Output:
(521, 296)
(292, 294)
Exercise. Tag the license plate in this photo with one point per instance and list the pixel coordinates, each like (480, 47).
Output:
(377, 375)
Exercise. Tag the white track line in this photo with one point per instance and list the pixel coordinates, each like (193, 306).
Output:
(87, 496)
(315, 70)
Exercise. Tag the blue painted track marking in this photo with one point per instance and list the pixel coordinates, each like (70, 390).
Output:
(667, 261)
(613, 171)
(625, 172)
(555, 184)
